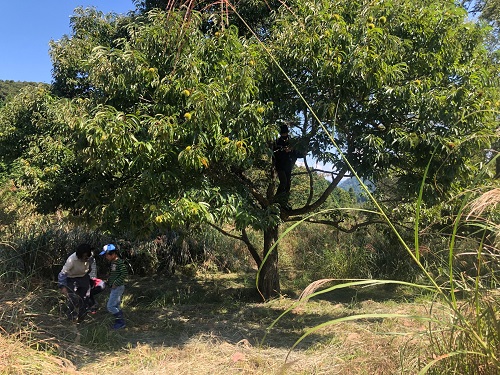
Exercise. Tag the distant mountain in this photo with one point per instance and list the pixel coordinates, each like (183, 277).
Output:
(353, 183)
(10, 88)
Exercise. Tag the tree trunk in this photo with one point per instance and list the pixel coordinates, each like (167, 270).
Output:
(269, 282)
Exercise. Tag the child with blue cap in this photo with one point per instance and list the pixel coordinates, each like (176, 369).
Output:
(116, 283)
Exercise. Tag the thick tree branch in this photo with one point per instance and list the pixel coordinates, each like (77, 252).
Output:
(251, 248)
(253, 189)
(310, 208)
(355, 227)
(311, 183)
(226, 233)
(323, 171)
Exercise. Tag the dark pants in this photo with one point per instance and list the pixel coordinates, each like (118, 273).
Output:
(283, 191)
(78, 296)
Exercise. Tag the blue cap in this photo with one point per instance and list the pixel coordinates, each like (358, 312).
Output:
(107, 248)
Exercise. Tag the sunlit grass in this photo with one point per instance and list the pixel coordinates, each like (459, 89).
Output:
(213, 336)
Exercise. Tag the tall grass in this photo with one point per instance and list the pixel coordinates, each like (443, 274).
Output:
(463, 328)
(467, 339)
(469, 342)
(39, 246)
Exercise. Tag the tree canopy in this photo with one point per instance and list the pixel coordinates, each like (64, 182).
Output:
(166, 117)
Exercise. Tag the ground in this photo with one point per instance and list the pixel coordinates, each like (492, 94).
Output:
(217, 324)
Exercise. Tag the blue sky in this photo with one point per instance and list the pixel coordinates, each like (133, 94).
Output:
(27, 26)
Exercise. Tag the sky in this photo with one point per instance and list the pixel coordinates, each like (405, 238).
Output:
(27, 27)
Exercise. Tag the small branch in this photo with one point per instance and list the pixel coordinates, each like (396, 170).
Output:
(226, 233)
(315, 205)
(343, 229)
(311, 183)
(332, 173)
(253, 190)
(243, 238)
(251, 248)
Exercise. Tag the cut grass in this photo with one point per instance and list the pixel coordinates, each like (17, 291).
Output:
(19, 358)
(200, 334)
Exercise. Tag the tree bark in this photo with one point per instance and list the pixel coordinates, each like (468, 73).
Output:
(268, 278)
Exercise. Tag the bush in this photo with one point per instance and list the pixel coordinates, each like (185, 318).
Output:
(41, 248)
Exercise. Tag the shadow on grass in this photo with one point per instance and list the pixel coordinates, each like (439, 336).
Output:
(173, 311)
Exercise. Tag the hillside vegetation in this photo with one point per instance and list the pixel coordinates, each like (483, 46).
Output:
(10, 88)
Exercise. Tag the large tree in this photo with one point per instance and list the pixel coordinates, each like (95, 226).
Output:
(393, 83)
(173, 114)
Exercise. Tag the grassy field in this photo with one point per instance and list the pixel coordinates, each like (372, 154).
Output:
(214, 324)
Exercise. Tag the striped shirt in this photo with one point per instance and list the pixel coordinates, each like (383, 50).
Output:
(118, 273)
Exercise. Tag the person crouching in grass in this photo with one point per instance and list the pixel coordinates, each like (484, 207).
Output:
(116, 283)
(74, 282)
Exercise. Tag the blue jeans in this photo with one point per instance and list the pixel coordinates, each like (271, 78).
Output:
(115, 299)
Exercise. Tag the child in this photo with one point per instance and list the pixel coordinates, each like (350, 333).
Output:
(116, 282)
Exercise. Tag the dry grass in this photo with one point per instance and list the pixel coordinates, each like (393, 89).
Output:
(198, 331)
(18, 358)
(487, 201)
(364, 347)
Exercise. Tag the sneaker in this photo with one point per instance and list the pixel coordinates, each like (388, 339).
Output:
(119, 324)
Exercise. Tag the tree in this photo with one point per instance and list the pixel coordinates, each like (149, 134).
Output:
(38, 148)
(172, 122)
(489, 11)
(386, 79)
(393, 85)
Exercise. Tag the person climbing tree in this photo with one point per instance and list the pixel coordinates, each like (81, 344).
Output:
(285, 157)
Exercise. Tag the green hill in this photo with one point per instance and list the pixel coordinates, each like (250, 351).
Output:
(10, 88)
(352, 183)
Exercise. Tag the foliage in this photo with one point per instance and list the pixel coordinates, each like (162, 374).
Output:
(249, 16)
(389, 98)
(36, 246)
(171, 113)
(320, 253)
(37, 145)
(10, 205)
(401, 80)
(487, 11)
(174, 129)
(90, 28)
